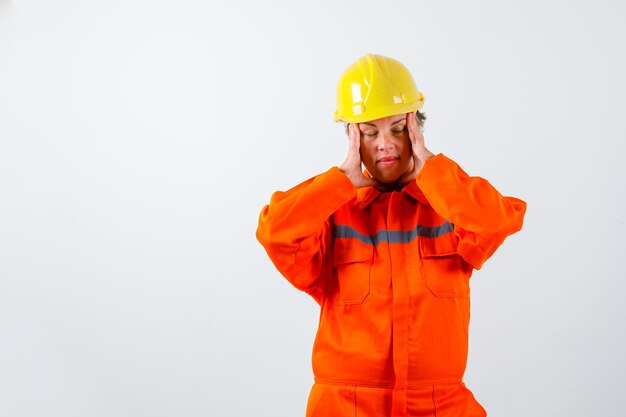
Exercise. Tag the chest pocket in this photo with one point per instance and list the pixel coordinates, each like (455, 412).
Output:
(353, 264)
(446, 274)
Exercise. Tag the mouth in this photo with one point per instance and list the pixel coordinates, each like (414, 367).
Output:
(387, 161)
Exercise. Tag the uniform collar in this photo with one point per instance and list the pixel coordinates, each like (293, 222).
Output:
(414, 191)
(367, 195)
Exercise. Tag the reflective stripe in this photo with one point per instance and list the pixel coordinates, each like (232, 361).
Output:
(394, 236)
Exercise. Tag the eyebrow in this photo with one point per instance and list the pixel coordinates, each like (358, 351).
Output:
(373, 125)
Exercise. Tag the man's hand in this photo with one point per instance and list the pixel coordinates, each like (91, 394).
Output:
(419, 151)
(352, 165)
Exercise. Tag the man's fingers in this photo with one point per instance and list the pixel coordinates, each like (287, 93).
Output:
(412, 124)
(353, 130)
(409, 120)
(415, 134)
(355, 142)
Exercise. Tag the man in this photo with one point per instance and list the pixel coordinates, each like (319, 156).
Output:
(388, 253)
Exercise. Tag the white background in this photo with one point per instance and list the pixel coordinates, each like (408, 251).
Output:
(139, 140)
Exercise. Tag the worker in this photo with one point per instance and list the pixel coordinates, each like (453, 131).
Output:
(387, 252)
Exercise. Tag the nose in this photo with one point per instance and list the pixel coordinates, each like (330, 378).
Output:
(384, 141)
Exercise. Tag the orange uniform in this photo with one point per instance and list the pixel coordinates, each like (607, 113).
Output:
(391, 274)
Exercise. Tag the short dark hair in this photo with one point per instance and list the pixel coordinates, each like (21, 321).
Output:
(421, 118)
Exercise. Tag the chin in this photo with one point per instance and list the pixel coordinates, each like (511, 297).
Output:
(387, 180)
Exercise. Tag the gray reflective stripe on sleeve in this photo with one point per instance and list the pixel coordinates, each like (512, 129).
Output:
(393, 236)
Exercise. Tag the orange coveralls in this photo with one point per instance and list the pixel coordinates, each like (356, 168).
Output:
(390, 272)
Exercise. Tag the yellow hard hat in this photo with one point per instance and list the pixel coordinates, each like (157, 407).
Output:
(374, 87)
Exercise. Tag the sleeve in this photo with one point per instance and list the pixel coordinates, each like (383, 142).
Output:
(482, 217)
(295, 228)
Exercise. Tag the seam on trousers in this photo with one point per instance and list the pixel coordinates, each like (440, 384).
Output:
(355, 401)
(434, 403)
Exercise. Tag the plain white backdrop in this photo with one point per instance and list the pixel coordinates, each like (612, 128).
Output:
(140, 139)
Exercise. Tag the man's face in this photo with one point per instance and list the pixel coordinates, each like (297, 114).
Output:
(386, 148)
